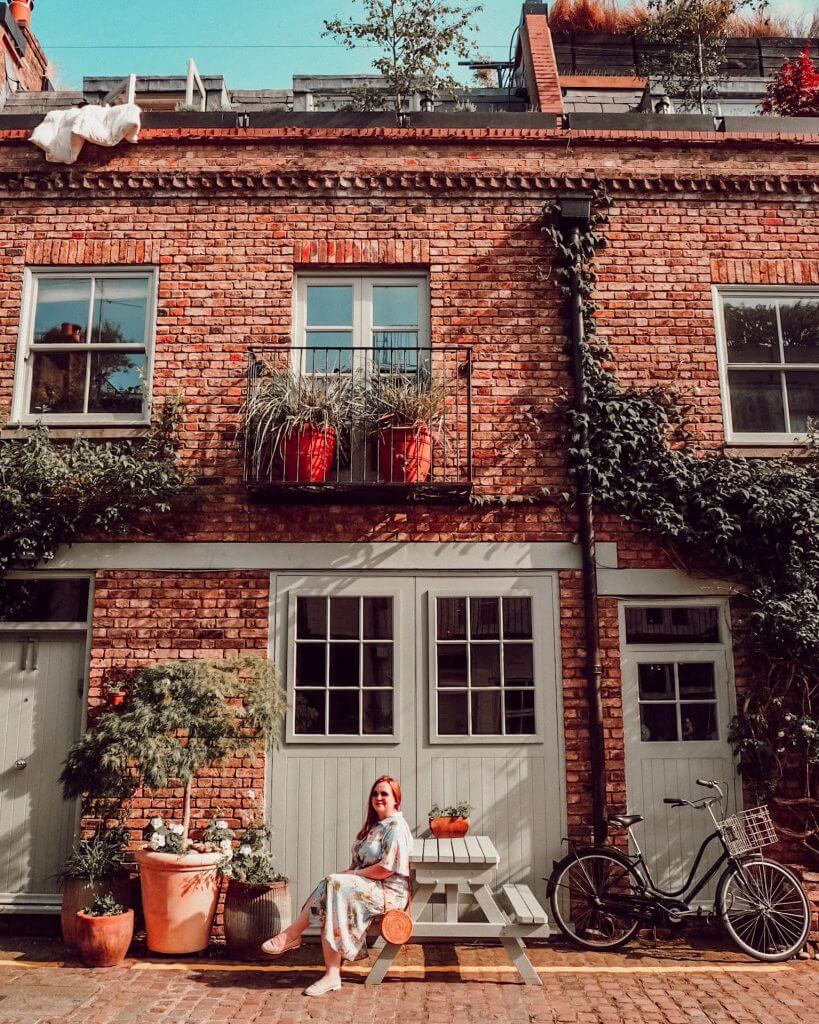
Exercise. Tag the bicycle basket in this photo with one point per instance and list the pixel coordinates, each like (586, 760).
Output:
(747, 831)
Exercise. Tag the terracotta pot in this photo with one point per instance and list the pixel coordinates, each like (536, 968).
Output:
(179, 896)
(405, 454)
(116, 699)
(21, 11)
(308, 455)
(254, 913)
(79, 893)
(449, 828)
(104, 941)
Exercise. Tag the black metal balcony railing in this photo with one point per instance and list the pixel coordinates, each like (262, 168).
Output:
(398, 419)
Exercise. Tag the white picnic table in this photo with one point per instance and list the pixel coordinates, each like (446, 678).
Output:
(463, 869)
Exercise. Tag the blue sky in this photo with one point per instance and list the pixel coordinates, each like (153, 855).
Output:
(253, 43)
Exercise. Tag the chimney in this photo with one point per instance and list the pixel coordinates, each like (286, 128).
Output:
(538, 60)
(21, 11)
(23, 65)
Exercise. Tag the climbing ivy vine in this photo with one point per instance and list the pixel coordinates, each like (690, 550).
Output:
(752, 520)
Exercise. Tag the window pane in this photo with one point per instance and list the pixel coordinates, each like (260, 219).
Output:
(329, 352)
(452, 664)
(486, 713)
(452, 714)
(518, 665)
(330, 305)
(310, 712)
(696, 680)
(485, 664)
(699, 722)
(378, 712)
(484, 621)
(756, 401)
(658, 722)
(517, 618)
(44, 601)
(395, 305)
(344, 618)
(117, 382)
(377, 666)
(656, 682)
(311, 660)
(750, 330)
(311, 618)
(62, 311)
(520, 712)
(451, 618)
(672, 625)
(120, 308)
(344, 665)
(800, 329)
(344, 712)
(377, 618)
(803, 398)
(396, 350)
(58, 382)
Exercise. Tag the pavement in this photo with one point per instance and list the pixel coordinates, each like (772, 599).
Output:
(680, 982)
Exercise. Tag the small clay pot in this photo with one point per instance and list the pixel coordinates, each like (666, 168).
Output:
(104, 941)
(79, 893)
(116, 698)
(449, 828)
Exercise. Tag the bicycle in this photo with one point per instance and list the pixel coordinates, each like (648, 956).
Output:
(600, 897)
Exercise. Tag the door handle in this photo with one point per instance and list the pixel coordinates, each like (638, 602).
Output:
(20, 764)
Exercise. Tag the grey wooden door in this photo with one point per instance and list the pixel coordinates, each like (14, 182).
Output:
(41, 685)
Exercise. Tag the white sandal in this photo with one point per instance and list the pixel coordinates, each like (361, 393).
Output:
(322, 987)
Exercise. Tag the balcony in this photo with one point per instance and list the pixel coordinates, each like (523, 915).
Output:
(368, 425)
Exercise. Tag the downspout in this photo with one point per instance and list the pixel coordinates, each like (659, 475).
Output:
(575, 214)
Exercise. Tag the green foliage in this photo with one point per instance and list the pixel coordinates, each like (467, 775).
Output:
(252, 862)
(406, 399)
(418, 40)
(100, 856)
(753, 520)
(104, 906)
(461, 810)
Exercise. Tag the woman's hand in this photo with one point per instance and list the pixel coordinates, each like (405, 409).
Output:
(375, 871)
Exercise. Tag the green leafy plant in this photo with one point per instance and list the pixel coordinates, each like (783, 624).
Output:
(98, 856)
(178, 717)
(462, 810)
(251, 861)
(104, 905)
(406, 399)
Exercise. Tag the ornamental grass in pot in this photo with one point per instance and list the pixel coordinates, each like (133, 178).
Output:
(104, 932)
(94, 866)
(408, 409)
(450, 822)
(178, 718)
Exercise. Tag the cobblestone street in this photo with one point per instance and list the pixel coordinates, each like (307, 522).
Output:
(669, 983)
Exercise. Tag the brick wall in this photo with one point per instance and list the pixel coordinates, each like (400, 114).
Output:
(28, 60)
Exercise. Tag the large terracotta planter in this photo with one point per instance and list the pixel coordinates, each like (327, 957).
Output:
(254, 913)
(449, 828)
(104, 941)
(405, 454)
(179, 896)
(308, 455)
(79, 893)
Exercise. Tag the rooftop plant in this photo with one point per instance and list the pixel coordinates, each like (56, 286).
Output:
(794, 90)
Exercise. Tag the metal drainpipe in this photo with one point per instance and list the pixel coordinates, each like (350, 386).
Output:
(575, 212)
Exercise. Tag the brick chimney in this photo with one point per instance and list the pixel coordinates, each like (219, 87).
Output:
(23, 65)
(537, 57)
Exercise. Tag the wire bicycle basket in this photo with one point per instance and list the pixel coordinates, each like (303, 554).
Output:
(747, 831)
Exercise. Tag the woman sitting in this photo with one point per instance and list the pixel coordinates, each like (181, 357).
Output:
(344, 904)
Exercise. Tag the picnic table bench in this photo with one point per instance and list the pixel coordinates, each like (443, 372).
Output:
(464, 868)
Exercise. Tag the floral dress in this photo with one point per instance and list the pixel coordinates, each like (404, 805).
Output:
(343, 905)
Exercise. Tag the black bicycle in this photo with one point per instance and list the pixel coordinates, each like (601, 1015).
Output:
(600, 897)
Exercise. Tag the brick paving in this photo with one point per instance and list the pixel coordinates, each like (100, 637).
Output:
(673, 983)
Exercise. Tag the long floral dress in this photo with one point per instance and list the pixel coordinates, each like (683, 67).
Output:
(343, 905)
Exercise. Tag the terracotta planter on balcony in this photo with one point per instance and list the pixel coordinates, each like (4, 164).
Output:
(179, 896)
(308, 455)
(104, 941)
(449, 828)
(405, 454)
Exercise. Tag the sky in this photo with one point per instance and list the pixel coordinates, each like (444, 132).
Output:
(255, 44)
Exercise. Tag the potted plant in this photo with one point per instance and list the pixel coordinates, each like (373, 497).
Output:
(257, 902)
(94, 866)
(408, 408)
(295, 422)
(104, 932)
(451, 822)
(180, 717)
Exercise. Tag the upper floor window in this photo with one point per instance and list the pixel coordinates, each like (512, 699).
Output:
(769, 350)
(86, 347)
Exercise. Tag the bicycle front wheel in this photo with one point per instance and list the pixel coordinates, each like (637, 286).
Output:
(589, 894)
(764, 909)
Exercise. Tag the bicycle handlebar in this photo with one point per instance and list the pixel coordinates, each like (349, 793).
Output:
(698, 805)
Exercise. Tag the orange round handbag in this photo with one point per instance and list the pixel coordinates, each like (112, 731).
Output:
(396, 925)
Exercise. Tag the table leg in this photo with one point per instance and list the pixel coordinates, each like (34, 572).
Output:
(420, 898)
(513, 946)
(452, 903)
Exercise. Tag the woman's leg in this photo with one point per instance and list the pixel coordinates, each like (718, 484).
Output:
(289, 935)
(332, 961)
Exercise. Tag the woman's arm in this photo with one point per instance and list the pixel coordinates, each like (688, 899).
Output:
(376, 872)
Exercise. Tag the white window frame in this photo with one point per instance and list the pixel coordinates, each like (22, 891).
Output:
(25, 362)
(719, 294)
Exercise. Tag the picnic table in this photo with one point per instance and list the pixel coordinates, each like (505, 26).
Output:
(463, 869)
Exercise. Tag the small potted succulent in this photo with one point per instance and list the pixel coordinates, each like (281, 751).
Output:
(94, 866)
(104, 932)
(257, 903)
(408, 409)
(450, 822)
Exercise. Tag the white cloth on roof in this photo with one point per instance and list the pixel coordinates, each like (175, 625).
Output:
(62, 133)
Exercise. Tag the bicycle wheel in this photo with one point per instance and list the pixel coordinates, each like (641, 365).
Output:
(588, 894)
(764, 909)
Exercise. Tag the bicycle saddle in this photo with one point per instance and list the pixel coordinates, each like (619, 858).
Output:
(625, 820)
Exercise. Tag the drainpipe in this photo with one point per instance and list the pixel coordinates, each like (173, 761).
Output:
(575, 214)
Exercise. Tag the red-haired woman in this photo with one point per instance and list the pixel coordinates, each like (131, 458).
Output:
(344, 904)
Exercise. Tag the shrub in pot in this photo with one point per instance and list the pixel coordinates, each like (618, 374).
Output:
(104, 932)
(408, 410)
(450, 822)
(94, 867)
(178, 718)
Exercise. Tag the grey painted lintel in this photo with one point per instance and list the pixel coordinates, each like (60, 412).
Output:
(663, 583)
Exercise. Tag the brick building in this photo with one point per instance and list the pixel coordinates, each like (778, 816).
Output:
(431, 629)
